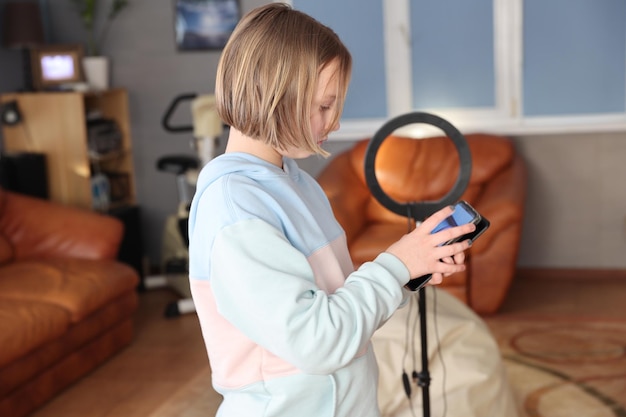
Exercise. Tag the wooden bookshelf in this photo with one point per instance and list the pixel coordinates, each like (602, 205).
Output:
(55, 124)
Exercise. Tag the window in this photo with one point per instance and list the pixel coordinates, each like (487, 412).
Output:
(501, 66)
(588, 44)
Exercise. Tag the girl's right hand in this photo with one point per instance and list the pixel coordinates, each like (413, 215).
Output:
(421, 253)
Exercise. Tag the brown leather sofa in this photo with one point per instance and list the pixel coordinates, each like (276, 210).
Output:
(66, 304)
(410, 170)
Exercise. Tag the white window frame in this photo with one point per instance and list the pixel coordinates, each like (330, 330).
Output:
(505, 118)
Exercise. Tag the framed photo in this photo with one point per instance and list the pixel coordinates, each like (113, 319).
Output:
(205, 24)
(55, 65)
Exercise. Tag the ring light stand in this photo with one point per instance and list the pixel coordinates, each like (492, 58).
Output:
(419, 210)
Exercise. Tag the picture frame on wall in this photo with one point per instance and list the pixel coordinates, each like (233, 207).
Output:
(205, 24)
(54, 66)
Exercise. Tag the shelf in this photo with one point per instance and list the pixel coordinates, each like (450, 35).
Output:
(55, 124)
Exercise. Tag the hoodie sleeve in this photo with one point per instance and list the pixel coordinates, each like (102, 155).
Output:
(266, 288)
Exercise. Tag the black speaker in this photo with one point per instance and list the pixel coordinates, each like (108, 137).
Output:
(131, 249)
(10, 113)
(24, 173)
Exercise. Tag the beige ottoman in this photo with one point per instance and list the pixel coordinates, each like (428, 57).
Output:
(467, 374)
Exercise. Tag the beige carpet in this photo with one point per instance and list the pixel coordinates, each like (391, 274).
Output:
(557, 368)
(561, 368)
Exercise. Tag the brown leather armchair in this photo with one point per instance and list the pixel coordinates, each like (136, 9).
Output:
(410, 170)
(66, 304)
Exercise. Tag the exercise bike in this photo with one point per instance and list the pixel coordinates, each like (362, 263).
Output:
(207, 129)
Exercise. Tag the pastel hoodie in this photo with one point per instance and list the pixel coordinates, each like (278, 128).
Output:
(285, 318)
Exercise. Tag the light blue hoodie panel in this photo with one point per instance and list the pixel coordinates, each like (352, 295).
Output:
(289, 200)
(257, 297)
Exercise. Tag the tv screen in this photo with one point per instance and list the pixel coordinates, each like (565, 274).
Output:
(53, 66)
(57, 67)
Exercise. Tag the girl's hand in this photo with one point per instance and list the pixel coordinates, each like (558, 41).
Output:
(421, 253)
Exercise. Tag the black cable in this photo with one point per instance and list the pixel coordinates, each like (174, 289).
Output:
(439, 353)
(405, 378)
(408, 336)
(29, 137)
(415, 375)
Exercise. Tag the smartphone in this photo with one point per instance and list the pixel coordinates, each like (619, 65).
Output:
(463, 213)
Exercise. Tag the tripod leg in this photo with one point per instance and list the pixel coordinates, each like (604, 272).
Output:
(424, 375)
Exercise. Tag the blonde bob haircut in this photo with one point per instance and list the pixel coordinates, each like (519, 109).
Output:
(268, 74)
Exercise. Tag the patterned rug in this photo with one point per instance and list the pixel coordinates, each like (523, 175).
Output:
(557, 368)
(560, 368)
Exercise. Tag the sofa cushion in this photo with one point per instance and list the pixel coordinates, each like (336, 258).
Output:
(79, 344)
(410, 170)
(27, 324)
(39, 228)
(79, 286)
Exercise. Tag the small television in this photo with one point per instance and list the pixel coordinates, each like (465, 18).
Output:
(56, 65)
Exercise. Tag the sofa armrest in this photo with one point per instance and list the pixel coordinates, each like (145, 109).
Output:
(39, 228)
(502, 201)
(346, 193)
(494, 256)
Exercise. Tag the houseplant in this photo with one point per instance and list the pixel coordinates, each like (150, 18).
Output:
(96, 66)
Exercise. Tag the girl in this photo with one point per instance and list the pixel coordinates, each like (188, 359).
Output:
(286, 320)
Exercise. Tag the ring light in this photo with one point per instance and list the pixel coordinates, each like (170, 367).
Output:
(419, 210)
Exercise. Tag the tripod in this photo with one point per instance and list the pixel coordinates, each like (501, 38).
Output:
(419, 210)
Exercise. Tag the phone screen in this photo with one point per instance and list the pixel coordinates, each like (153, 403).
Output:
(460, 215)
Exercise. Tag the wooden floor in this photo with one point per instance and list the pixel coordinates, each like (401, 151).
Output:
(167, 353)
(599, 294)
(164, 355)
